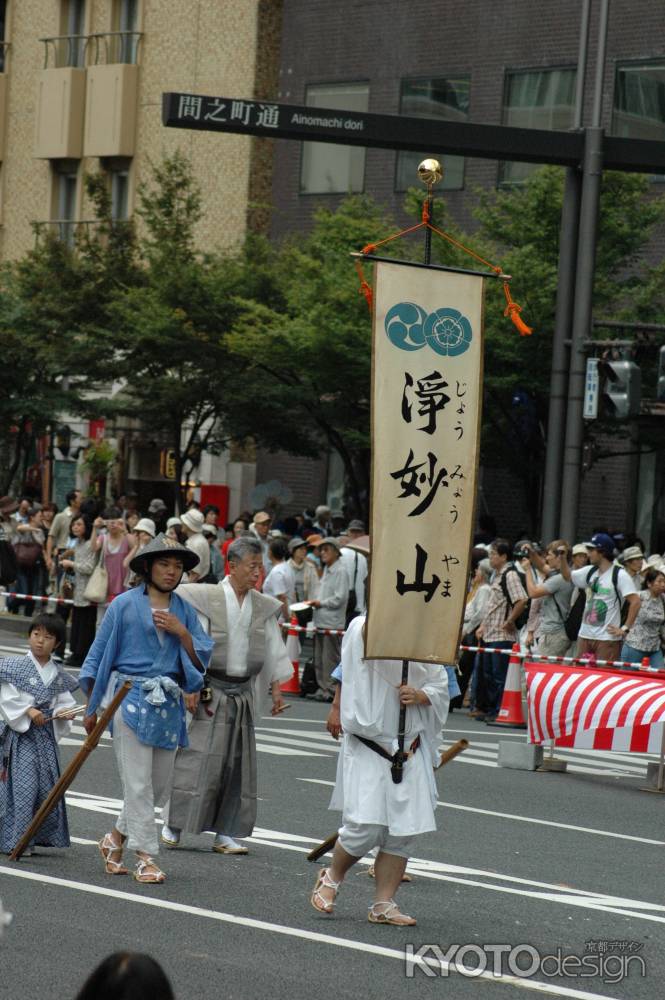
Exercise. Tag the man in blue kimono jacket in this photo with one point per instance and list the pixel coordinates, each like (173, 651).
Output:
(153, 638)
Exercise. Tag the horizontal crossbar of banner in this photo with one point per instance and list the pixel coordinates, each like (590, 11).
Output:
(431, 267)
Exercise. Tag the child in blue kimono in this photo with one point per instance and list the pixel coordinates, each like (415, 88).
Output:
(33, 690)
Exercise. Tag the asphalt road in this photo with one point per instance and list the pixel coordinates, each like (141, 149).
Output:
(560, 863)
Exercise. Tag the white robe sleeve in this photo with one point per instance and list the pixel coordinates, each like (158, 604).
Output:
(436, 713)
(61, 703)
(14, 705)
(278, 664)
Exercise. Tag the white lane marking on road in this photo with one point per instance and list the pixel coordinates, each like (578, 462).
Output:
(525, 819)
(568, 897)
(617, 761)
(79, 729)
(286, 751)
(304, 934)
(478, 754)
(333, 748)
(300, 733)
(435, 870)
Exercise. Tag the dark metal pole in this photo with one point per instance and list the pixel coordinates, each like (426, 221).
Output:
(583, 308)
(559, 374)
(564, 309)
(428, 231)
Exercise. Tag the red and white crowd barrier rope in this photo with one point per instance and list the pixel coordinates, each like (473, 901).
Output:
(43, 598)
(310, 630)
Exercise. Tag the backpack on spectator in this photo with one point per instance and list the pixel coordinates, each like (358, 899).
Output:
(522, 619)
(573, 621)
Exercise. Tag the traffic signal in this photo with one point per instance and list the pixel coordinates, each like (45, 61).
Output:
(660, 393)
(621, 389)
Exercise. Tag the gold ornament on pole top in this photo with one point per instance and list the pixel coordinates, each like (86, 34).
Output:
(430, 171)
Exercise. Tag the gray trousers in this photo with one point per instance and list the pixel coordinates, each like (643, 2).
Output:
(214, 780)
(327, 654)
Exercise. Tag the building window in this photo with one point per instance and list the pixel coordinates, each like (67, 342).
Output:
(536, 99)
(64, 202)
(125, 27)
(72, 44)
(639, 101)
(117, 169)
(327, 168)
(436, 98)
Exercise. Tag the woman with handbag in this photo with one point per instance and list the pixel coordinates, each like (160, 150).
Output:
(31, 562)
(113, 546)
(78, 570)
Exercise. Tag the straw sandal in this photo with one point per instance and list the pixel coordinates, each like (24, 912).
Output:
(320, 902)
(389, 914)
(107, 846)
(154, 877)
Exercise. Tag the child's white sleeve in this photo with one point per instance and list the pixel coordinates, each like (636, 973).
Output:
(14, 705)
(61, 727)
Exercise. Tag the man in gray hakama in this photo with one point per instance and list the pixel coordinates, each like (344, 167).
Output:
(214, 782)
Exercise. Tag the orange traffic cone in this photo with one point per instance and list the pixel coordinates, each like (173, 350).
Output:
(292, 686)
(510, 713)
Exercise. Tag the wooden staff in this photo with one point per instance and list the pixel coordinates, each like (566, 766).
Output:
(328, 844)
(70, 772)
(452, 752)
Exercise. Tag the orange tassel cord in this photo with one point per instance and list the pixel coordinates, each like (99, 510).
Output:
(512, 308)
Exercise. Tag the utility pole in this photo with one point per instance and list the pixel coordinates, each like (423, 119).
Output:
(564, 308)
(583, 300)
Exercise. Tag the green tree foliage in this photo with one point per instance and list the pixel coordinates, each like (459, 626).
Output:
(168, 330)
(305, 338)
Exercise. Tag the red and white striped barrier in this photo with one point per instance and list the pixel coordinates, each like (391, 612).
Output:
(33, 597)
(44, 598)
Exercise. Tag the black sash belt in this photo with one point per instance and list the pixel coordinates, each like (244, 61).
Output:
(396, 760)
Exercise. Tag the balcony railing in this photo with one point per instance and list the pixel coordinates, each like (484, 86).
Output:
(67, 230)
(71, 231)
(108, 47)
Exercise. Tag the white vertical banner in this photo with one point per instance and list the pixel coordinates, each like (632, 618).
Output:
(427, 355)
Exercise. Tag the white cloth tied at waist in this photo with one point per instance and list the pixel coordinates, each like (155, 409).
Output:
(159, 688)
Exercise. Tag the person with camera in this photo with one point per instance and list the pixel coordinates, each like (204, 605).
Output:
(608, 587)
(506, 603)
(554, 594)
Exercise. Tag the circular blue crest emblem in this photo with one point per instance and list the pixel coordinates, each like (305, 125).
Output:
(404, 325)
(446, 331)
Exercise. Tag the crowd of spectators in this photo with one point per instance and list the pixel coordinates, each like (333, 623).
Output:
(68, 554)
(600, 600)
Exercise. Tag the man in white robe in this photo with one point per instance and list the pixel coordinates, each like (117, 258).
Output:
(376, 812)
(214, 782)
